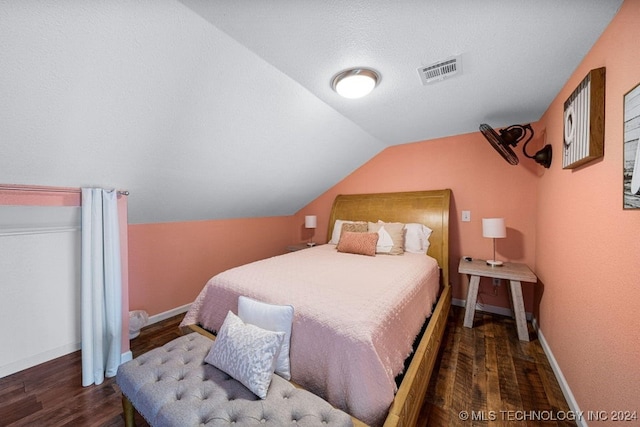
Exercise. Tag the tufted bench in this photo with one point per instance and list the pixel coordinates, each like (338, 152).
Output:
(173, 386)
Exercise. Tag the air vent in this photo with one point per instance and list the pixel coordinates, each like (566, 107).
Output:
(440, 70)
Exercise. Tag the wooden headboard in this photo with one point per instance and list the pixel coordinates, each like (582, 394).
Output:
(430, 208)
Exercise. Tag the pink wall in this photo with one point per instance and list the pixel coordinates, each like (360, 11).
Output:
(588, 251)
(171, 262)
(59, 197)
(481, 181)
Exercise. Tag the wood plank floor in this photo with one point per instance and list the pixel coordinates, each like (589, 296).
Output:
(485, 371)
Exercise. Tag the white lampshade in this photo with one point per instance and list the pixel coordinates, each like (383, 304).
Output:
(355, 83)
(493, 228)
(310, 221)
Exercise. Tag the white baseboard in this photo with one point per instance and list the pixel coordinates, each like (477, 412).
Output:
(125, 357)
(167, 314)
(562, 381)
(494, 309)
(37, 359)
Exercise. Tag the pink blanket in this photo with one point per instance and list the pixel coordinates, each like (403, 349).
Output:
(355, 318)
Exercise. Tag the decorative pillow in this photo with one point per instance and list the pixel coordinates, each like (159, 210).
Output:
(385, 242)
(247, 353)
(416, 238)
(276, 318)
(358, 243)
(395, 230)
(337, 229)
(355, 227)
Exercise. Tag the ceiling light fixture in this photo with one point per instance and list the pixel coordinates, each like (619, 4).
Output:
(355, 82)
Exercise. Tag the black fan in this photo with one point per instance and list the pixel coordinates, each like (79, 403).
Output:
(510, 137)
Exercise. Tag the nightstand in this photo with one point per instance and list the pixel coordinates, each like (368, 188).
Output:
(299, 246)
(515, 273)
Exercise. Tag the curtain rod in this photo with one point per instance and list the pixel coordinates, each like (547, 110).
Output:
(49, 189)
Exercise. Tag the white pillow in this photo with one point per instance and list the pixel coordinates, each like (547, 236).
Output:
(416, 238)
(385, 242)
(247, 353)
(337, 229)
(395, 230)
(277, 318)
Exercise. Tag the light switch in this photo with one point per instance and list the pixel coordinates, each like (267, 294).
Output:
(466, 216)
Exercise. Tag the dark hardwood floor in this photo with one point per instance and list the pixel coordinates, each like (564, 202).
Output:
(51, 394)
(488, 374)
(485, 371)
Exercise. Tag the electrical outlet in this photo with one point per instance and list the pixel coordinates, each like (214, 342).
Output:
(496, 281)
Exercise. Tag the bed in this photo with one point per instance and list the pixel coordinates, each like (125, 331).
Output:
(340, 349)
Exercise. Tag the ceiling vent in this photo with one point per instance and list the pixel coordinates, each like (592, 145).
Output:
(440, 70)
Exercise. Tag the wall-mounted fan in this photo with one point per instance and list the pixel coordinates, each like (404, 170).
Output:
(510, 137)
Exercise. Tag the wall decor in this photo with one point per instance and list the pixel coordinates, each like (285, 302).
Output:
(631, 165)
(584, 121)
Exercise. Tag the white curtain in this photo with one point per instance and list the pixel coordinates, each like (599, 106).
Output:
(101, 286)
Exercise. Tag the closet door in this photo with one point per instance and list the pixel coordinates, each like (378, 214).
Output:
(39, 285)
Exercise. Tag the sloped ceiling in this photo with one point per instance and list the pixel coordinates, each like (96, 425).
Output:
(218, 109)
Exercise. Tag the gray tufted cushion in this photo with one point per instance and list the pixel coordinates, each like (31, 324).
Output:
(173, 386)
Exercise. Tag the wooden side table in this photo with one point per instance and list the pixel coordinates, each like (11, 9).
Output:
(515, 273)
(299, 247)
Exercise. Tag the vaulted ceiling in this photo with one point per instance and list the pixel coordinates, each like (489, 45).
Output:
(208, 109)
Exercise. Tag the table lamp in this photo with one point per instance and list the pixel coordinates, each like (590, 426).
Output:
(310, 221)
(494, 228)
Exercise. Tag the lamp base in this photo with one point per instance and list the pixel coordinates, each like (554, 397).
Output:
(494, 263)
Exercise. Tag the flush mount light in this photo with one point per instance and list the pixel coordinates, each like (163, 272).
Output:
(355, 82)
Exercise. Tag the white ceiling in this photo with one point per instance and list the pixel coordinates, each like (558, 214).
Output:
(220, 109)
(516, 55)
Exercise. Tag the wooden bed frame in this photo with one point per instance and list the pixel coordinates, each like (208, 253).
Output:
(432, 209)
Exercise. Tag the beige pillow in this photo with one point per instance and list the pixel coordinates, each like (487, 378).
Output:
(358, 243)
(337, 229)
(355, 227)
(395, 230)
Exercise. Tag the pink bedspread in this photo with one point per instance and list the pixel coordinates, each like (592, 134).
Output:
(355, 318)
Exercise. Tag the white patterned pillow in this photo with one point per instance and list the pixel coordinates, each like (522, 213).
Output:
(247, 353)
